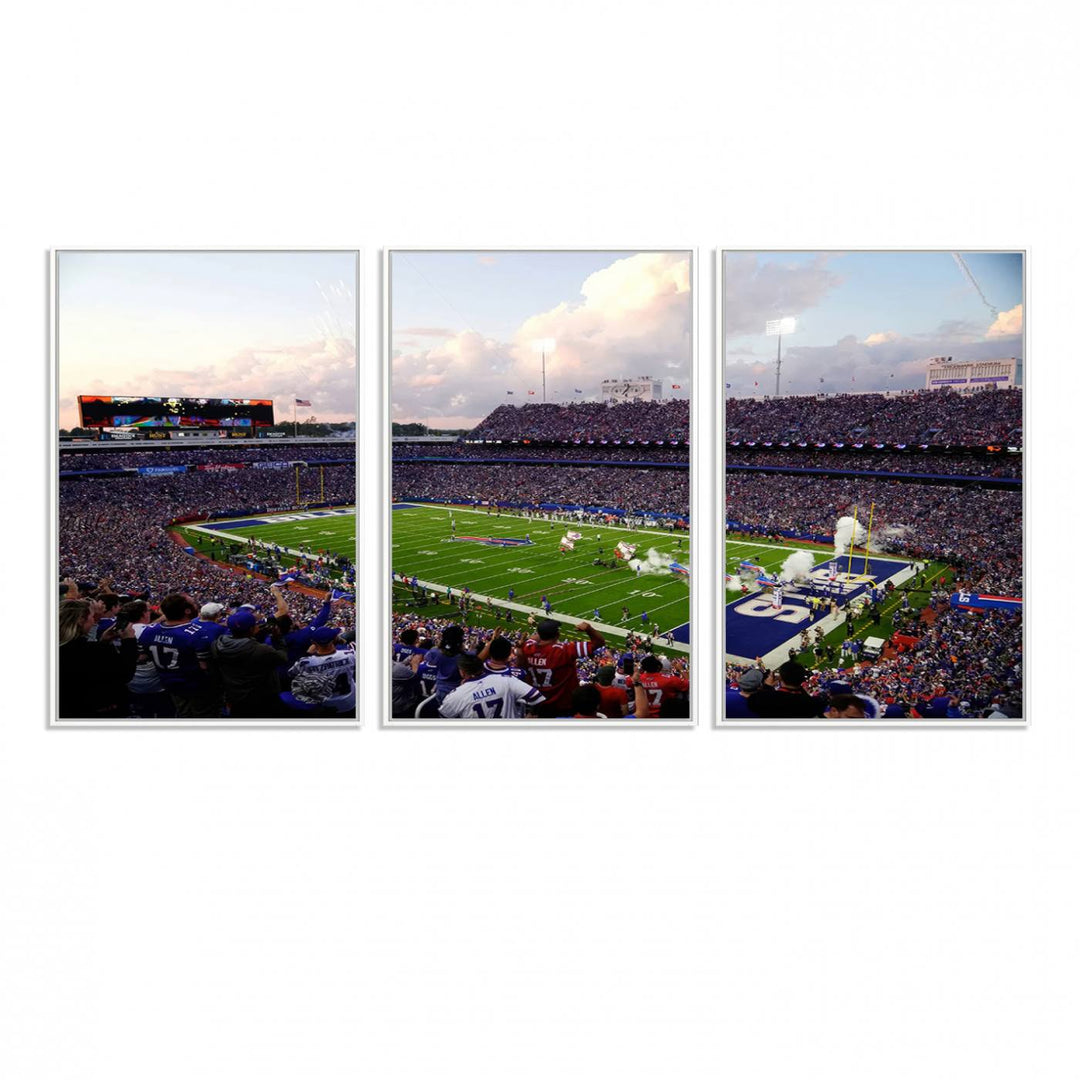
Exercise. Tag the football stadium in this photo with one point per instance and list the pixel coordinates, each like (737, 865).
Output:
(873, 545)
(548, 529)
(207, 562)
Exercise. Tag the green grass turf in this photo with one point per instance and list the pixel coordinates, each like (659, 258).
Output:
(771, 557)
(571, 583)
(336, 535)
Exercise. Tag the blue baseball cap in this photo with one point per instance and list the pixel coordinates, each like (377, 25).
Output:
(242, 620)
(325, 634)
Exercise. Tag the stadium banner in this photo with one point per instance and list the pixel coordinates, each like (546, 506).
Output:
(160, 470)
(120, 435)
(271, 434)
(272, 464)
(221, 467)
(982, 603)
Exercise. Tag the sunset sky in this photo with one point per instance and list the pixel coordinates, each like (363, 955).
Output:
(209, 324)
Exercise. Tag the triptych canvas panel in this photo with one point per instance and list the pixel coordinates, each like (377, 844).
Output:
(537, 550)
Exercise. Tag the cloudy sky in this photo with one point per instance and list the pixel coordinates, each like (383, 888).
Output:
(865, 320)
(466, 327)
(223, 324)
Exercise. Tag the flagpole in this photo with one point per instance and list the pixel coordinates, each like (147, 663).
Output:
(294, 431)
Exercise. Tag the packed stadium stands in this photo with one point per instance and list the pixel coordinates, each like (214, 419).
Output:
(654, 479)
(942, 660)
(665, 493)
(993, 466)
(116, 540)
(660, 421)
(935, 417)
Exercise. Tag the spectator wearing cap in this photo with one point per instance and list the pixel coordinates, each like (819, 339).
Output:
(212, 619)
(789, 701)
(248, 668)
(737, 700)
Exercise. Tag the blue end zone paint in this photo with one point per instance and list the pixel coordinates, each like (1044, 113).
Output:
(682, 633)
(225, 526)
(754, 627)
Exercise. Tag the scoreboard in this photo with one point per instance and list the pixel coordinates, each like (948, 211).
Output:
(244, 414)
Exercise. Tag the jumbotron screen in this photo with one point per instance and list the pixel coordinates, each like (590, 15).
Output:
(172, 412)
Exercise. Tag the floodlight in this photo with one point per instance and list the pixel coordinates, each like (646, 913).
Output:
(775, 327)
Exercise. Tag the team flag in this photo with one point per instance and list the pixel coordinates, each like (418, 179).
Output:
(532, 391)
(676, 386)
(288, 575)
(510, 392)
(623, 550)
(341, 594)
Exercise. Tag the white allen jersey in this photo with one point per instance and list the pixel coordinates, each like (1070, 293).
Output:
(491, 698)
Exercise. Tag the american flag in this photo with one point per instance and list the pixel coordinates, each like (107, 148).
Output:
(305, 403)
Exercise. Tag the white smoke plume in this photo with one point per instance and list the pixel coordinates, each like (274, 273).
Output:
(655, 562)
(733, 583)
(797, 566)
(845, 526)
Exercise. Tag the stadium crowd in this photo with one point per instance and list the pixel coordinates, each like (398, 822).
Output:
(115, 548)
(921, 416)
(998, 465)
(665, 455)
(977, 530)
(448, 669)
(665, 492)
(963, 665)
(652, 420)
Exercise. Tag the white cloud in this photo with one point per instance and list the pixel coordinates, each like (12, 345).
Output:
(881, 337)
(1008, 323)
(757, 290)
(634, 318)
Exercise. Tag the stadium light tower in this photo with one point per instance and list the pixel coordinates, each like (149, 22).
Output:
(543, 346)
(777, 328)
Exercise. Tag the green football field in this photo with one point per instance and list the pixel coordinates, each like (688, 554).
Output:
(576, 589)
(292, 532)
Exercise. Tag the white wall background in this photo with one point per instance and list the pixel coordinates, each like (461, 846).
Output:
(394, 904)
